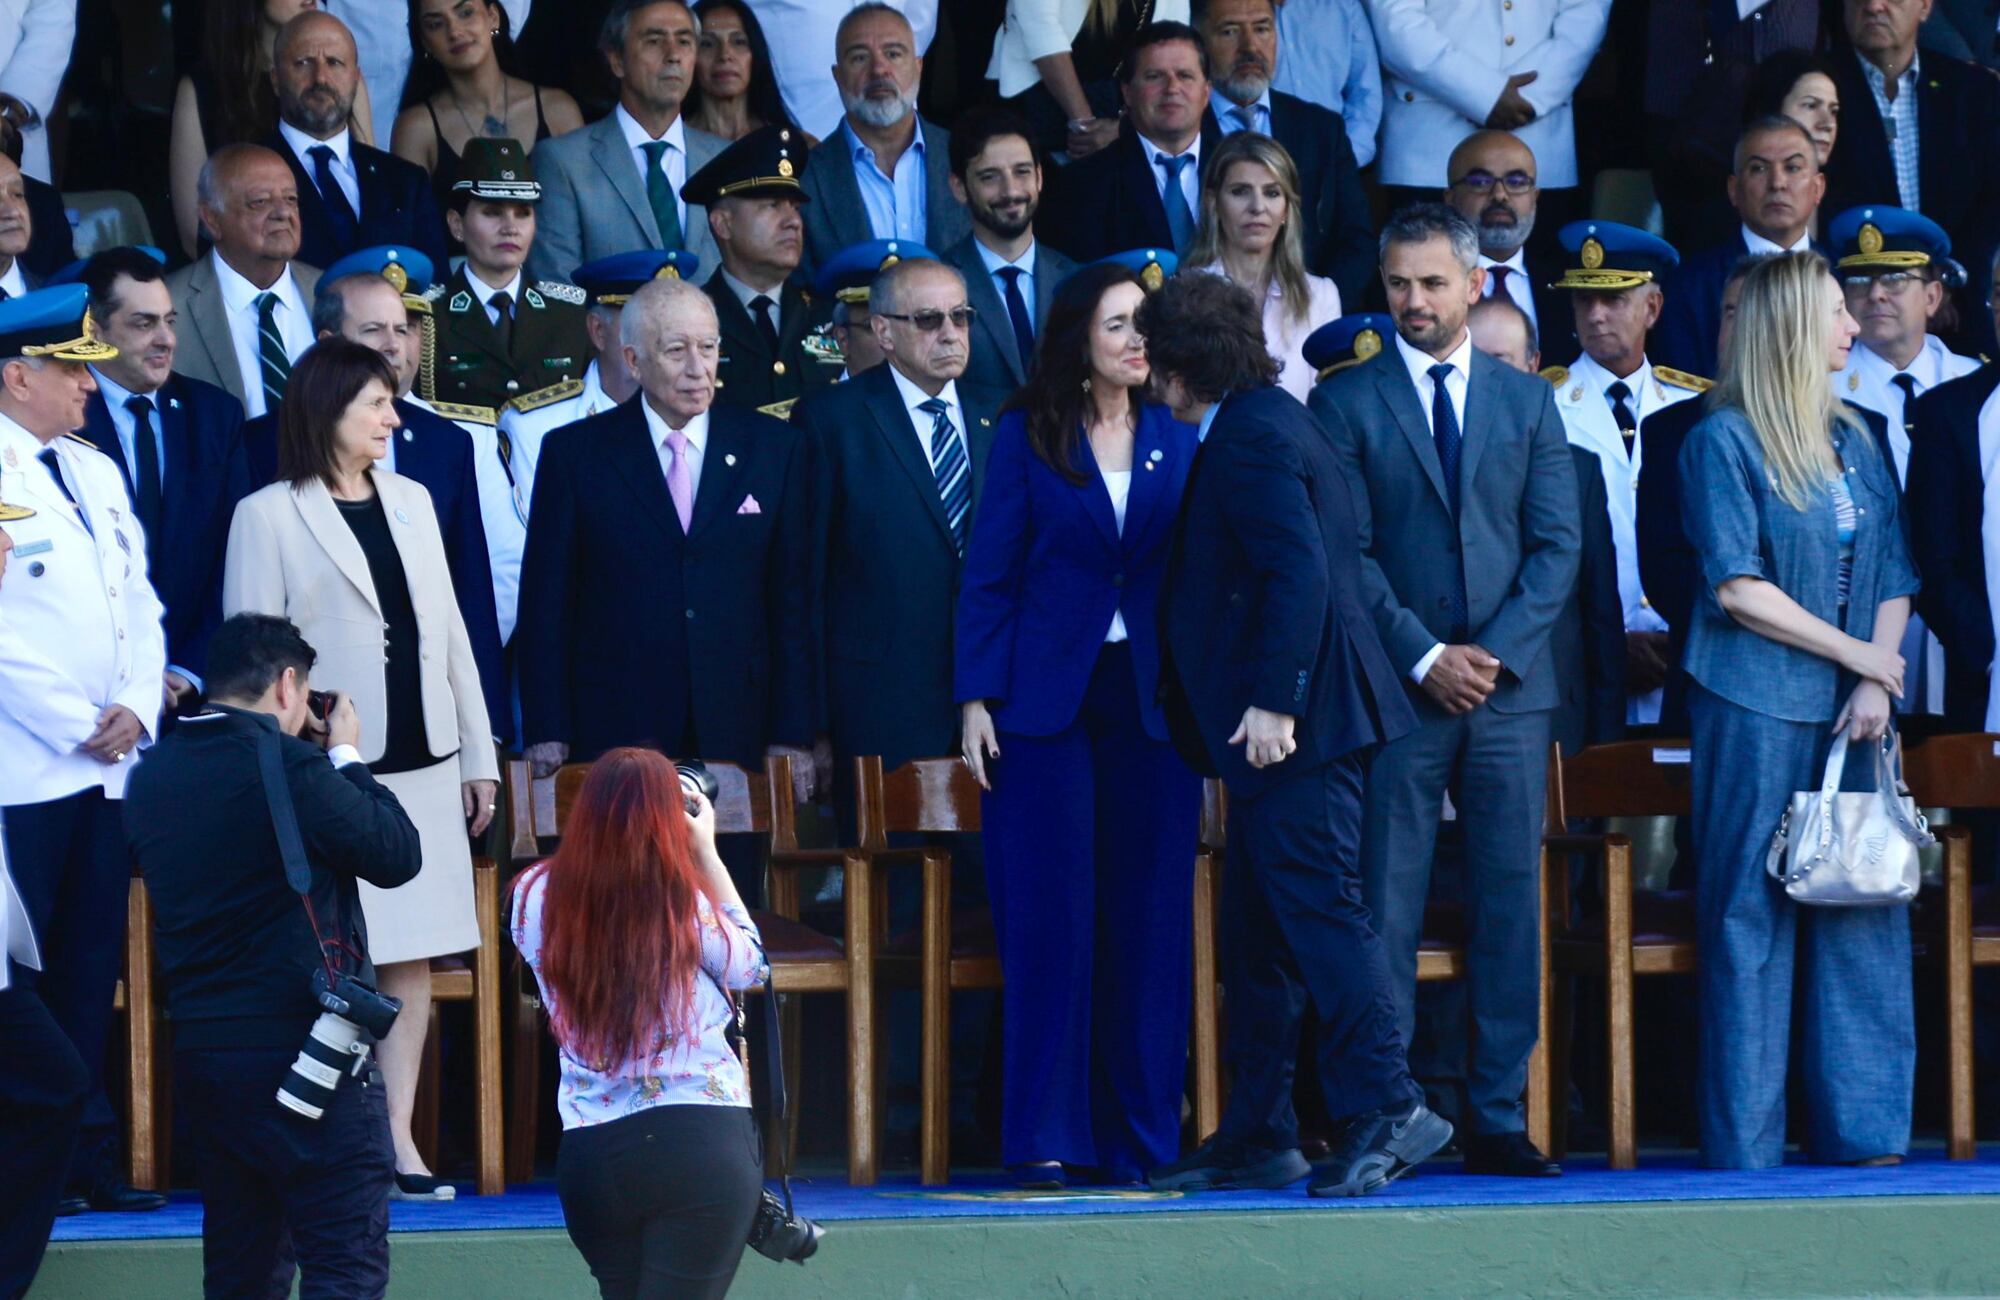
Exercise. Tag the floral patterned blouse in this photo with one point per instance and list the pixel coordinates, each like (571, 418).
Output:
(698, 1072)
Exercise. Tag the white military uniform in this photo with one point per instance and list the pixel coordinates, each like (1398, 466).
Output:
(79, 622)
(1869, 382)
(1586, 413)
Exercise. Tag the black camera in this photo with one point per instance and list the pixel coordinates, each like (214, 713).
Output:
(777, 1233)
(335, 1047)
(695, 779)
(319, 704)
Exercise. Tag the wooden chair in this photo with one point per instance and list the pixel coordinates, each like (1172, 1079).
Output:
(1959, 772)
(147, 1106)
(802, 959)
(454, 980)
(1639, 933)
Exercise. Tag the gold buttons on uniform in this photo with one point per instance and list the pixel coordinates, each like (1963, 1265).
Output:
(777, 367)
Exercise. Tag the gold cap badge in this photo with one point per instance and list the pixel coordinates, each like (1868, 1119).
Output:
(1366, 344)
(398, 278)
(1870, 238)
(785, 167)
(1593, 255)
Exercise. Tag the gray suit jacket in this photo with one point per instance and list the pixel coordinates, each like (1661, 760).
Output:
(995, 360)
(594, 201)
(836, 217)
(1517, 534)
(206, 351)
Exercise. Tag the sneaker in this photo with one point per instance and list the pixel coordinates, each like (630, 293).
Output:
(1225, 1164)
(1381, 1147)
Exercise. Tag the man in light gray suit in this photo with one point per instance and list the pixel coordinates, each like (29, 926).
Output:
(1466, 498)
(615, 186)
(884, 173)
(1010, 276)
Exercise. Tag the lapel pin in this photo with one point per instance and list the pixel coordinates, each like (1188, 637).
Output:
(1149, 464)
(173, 403)
(408, 436)
(1853, 381)
(985, 423)
(402, 516)
(729, 458)
(1576, 394)
(12, 461)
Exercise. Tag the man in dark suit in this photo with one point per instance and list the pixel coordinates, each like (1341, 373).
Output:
(350, 195)
(1242, 39)
(1492, 184)
(1267, 643)
(882, 173)
(1010, 276)
(17, 231)
(1145, 188)
(1467, 500)
(664, 586)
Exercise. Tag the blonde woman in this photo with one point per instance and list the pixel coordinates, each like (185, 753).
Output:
(1250, 233)
(1806, 584)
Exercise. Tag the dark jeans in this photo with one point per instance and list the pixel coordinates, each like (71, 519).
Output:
(266, 1173)
(660, 1202)
(42, 1089)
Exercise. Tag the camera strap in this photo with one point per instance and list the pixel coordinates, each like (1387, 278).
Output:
(285, 823)
(774, 1073)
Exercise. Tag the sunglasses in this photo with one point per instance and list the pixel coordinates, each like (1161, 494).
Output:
(931, 321)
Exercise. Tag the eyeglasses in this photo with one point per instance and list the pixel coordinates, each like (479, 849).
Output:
(931, 321)
(1893, 281)
(1482, 182)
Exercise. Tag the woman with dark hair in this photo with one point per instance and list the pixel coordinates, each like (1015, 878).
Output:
(1089, 816)
(637, 939)
(352, 555)
(1797, 84)
(460, 87)
(735, 89)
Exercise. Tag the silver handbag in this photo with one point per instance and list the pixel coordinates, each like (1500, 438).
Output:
(1856, 848)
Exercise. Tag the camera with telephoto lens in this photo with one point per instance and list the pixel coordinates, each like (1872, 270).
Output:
(777, 1233)
(335, 1047)
(695, 779)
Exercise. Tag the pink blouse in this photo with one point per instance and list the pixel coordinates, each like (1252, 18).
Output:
(1285, 338)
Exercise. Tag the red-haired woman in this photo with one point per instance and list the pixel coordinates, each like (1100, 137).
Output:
(635, 933)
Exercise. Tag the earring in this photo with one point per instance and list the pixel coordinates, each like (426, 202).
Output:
(1086, 383)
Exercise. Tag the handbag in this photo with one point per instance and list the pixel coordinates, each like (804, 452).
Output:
(1853, 848)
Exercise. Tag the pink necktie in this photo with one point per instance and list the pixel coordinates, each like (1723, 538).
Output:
(680, 484)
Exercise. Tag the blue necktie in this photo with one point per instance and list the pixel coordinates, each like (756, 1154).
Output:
(1017, 312)
(1445, 433)
(147, 501)
(1180, 220)
(948, 463)
(338, 214)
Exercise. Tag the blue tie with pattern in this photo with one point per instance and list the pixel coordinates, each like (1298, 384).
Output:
(953, 471)
(338, 214)
(1180, 218)
(1445, 433)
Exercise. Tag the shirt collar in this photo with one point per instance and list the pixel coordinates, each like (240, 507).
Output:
(1207, 419)
(744, 293)
(484, 291)
(636, 137)
(1927, 367)
(656, 424)
(116, 394)
(1640, 381)
(1879, 83)
(913, 396)
(238, 293)
(1518, 263)
(862, 153)
(341, 144)
(1419, 362)
(1154, 149)
(993, 262)
(14, 282)
(1225, 107)
(1756, 243)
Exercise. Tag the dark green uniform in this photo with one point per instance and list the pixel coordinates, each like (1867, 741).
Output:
(806, 357)
(471, 365)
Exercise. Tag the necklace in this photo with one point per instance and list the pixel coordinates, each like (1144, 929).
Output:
(492, 127)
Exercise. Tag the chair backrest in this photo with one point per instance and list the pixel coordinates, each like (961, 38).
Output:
(1955, 771)
(1633, 778)
(1214, 815)
(924, 795)
(746, 803)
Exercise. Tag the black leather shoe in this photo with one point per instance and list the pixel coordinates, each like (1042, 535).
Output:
(110, 1191)
(1509, 1155)
(1379, 1148)
(69, 1206)
(1039, 1176)
(1225, 1164)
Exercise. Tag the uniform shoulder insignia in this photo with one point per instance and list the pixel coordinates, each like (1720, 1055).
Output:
(1682, 379)
(80, 438)
(779, 410)
(561, 292)
(535, 401)
(461, 411)
(1556, 375)
(432, 294)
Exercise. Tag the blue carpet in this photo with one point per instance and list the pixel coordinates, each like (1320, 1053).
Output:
(1926, 1173)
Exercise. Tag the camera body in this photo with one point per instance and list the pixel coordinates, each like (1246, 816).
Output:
(334, 1047)
(695, 779)
(777, 1233)
(319, 704)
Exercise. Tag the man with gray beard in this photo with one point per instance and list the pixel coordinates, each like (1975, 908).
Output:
(1492, 184)
(884, 173)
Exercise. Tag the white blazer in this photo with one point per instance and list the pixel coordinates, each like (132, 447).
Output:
(1445, 62)
(1036, 29)
(35, 39)
(291, 553)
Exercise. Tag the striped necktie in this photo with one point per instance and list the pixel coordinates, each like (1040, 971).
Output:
(273, 361)
(948, 463)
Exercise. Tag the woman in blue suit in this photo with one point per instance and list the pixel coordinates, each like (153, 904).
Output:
(1090, 818)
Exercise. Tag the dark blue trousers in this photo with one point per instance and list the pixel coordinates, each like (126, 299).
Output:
(42, 1089)
(1090, 844)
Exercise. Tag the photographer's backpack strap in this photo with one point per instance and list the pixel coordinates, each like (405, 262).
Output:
(284, 818)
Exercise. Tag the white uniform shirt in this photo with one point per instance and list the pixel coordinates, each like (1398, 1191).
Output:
(1870, 381)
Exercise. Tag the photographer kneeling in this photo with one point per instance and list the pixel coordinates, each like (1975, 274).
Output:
(239, 812)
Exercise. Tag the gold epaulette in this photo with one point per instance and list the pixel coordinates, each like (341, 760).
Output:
(80, 438)
(1682, 379)
(779, 410)
(561, 391)
(460, 411)
(1559, 375)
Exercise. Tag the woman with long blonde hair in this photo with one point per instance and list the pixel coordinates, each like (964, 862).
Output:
(1793, 511)
(1251, 216)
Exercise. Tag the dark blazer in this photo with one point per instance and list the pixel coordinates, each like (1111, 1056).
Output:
(1946, 511)
(204, 474)
(885, 571)
(633, 632)
(1669, 569)
(1048, 566)
(1588, 647)
(836, 217)
(1516, 536)
(437, 454)
(1109, 202)
(397, 207)
(750, 375)
(1340, 242)
(51, 243)
(995, 361)
(1691, 316)
(1264, 604)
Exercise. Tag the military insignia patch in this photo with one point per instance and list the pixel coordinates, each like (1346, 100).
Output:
(460, 301)
(534, 300)
(561, 292)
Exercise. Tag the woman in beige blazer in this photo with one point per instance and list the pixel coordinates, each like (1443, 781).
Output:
(353, 556)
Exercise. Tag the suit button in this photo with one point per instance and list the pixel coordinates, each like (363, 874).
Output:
(778, 368)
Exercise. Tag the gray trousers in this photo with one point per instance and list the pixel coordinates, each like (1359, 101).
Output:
(1495, 766)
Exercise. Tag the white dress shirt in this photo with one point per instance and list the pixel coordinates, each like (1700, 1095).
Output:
(697, 438)
(1758, 245)
(923, 421)
(1870, 381)
(1190, 175)
(1419, 365)
(342, 145)
(486, 293)
(13, 281)
(1520, 290)
(240, 296)
(674, 162)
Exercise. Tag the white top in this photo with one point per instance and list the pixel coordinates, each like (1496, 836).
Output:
(240, 296)
(343, 160)
(697, 439)
(1118, 482)
(674, 162)
(12, 280)
(1870, 381)
(923, 421)
(1285, 335)
(801, 35)
(1419, 365)
(1757, 244)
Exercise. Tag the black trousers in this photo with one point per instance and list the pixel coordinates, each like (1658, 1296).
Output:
(1294, 929)
(660, 1202)
(42, 1088)
(268, 1176)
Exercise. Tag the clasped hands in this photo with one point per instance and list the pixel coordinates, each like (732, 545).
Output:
(1461, 678)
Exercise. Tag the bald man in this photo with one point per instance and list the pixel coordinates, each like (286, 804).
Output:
(350, 196)
(1492, 181)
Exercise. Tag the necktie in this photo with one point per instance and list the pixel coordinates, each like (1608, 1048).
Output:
(660, 194)
(1445, 433)
(760, 312)
(1628, 425)
(1017, 312)
(273, 361)
(1180, 220)
(948, 463)
(503, 319)
(680, 479)
(1498, 274)
(49, 458)
(146, 498)
(338, 214)
(1245, 115)
(1908, 384)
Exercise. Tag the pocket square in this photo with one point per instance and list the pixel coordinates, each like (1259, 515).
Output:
(749, 507)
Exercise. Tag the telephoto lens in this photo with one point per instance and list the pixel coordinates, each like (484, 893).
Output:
(777, 1233)
(334, 1048)
(696, 779)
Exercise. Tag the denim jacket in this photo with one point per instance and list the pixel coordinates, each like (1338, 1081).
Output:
(1740, 527)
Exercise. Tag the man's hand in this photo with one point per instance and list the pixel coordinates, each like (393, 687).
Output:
(1512, 111)
(1645, 661)
(343, 724)
(117, 735)
(1086, 138)
(480, 798)
(1461, 678)
(546, 756)
(1266, 737)
(805, 776)
(178, 689)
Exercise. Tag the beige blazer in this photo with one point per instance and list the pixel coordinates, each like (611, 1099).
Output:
(291, 553)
